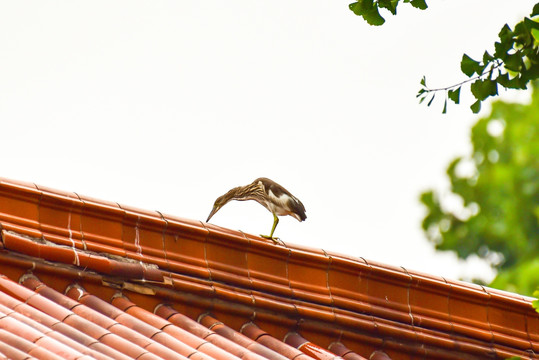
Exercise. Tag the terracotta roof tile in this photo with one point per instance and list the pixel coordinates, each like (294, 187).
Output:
(163, 331)
(35, 338)
(26, 346)
(136, 281)
(341, 350)
(130, 336)
(56, 329)
(240, 339)
(218, 342)
(262, 337)
(379, 355)
(296, 340)
(8, 351)
(58, 336)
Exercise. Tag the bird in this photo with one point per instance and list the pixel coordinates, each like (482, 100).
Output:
(268, 193)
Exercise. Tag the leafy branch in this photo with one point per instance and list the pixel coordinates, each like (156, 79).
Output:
(513, 65)
(482, 85)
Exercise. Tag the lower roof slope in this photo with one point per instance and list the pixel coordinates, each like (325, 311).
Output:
(103, 280)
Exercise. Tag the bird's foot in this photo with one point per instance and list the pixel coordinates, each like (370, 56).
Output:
(274, 239)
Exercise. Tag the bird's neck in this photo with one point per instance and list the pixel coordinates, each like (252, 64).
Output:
(248, 192)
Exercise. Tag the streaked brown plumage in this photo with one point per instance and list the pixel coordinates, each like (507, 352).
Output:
(269, 194)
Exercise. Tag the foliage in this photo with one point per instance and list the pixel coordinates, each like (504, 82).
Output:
(497, 186)
(370, 9)
(514, 63)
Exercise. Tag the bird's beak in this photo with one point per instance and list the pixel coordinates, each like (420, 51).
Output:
(214, 210)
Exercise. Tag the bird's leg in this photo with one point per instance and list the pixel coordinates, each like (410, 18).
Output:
(275, 222)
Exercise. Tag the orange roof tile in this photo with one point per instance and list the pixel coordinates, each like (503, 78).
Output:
(107, 281)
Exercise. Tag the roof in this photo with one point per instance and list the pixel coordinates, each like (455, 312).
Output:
(83, 278)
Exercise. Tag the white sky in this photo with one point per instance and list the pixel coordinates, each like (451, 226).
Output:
(165, 105)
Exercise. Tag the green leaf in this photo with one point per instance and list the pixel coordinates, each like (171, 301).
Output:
(423, 81)
(420, 4)
(428, 199)
(522, 33)
(487, 57)
(513, 62)
(431, 99)
(362, 6)
(513, 83)
(535, 34)
(501, 48)
(505, 33)
(535, 10)
(482, 89)
(530, 24)
(373, 17)
(528, 74)
(366, 5)
(355, 7)
(368, 10)
(477, 90)
(476, 106)
(503, 79)
(391, 5)
(454, 95)
(469, 66)
(444, 111)
(505, 43)
(491, 87)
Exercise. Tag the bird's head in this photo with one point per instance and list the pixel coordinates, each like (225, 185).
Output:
(219, 203)
(216, 208)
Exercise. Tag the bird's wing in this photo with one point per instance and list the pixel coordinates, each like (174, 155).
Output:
(280, 194)
(270, 185)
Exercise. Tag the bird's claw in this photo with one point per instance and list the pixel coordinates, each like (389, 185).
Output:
(274, 239)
